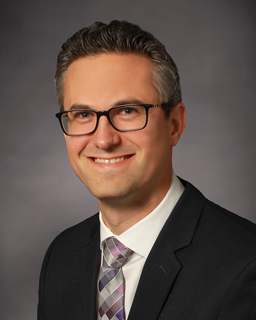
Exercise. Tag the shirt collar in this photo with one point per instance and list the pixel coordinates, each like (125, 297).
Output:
(134, 238)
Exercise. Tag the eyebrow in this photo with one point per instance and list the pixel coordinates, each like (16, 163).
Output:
(128, 101)
(79, 106)
(118, 103)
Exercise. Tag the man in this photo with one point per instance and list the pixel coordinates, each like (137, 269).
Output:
(158, 249)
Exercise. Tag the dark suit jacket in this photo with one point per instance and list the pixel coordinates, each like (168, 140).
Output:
(201, 267)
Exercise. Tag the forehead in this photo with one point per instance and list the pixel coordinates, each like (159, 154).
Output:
(108, 77)
(111, 62)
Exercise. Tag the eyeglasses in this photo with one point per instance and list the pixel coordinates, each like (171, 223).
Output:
(127, 117)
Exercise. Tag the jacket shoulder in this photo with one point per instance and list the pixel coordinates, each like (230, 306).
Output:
(83, 231)
(235, 221)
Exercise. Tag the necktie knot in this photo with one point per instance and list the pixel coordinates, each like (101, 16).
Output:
(114, 253)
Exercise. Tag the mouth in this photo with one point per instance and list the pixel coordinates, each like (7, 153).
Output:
(112, 160)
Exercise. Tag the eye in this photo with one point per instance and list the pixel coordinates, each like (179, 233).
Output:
(128, 111)
(83, 115)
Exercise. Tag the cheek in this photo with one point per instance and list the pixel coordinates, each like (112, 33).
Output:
(157, 141)
(158, 153)
(75, 145)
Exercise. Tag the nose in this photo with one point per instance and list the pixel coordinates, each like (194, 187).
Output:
(105, 137)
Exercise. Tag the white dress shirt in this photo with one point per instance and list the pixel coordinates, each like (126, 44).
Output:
(140, 238)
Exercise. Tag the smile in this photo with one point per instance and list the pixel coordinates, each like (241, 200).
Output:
(113, 160)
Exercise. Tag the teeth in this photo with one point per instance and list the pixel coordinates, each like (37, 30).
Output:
(110, 160)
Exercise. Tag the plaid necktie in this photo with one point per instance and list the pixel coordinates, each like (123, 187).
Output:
(111, 282)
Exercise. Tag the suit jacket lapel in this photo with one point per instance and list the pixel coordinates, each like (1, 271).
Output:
(162, 266)
(89, 274)
(158, 276)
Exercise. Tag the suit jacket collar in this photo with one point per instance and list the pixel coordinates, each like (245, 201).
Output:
(162, 266)
(183, 221)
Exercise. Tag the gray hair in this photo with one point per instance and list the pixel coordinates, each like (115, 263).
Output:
(121, 37)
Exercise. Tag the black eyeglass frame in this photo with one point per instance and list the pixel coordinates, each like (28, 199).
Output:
(106, 113)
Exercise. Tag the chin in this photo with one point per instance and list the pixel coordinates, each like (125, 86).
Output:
(109, 194)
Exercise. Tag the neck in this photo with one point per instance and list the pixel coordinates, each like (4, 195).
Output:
(120, 215)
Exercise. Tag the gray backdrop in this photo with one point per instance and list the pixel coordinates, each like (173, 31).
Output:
(213, 44)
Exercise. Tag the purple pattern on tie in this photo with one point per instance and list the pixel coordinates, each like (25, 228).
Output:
(120, 314)
(111, 299)
(114, 251)
(106, 278)
(116, 307)
(119, 245)
(112, 303)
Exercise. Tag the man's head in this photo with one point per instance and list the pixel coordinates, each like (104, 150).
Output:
(121, 37)
(129, 170)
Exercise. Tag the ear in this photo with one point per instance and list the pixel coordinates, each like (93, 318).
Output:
(177, 119)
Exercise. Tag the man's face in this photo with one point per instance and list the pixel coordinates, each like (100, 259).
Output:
(140, 168)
